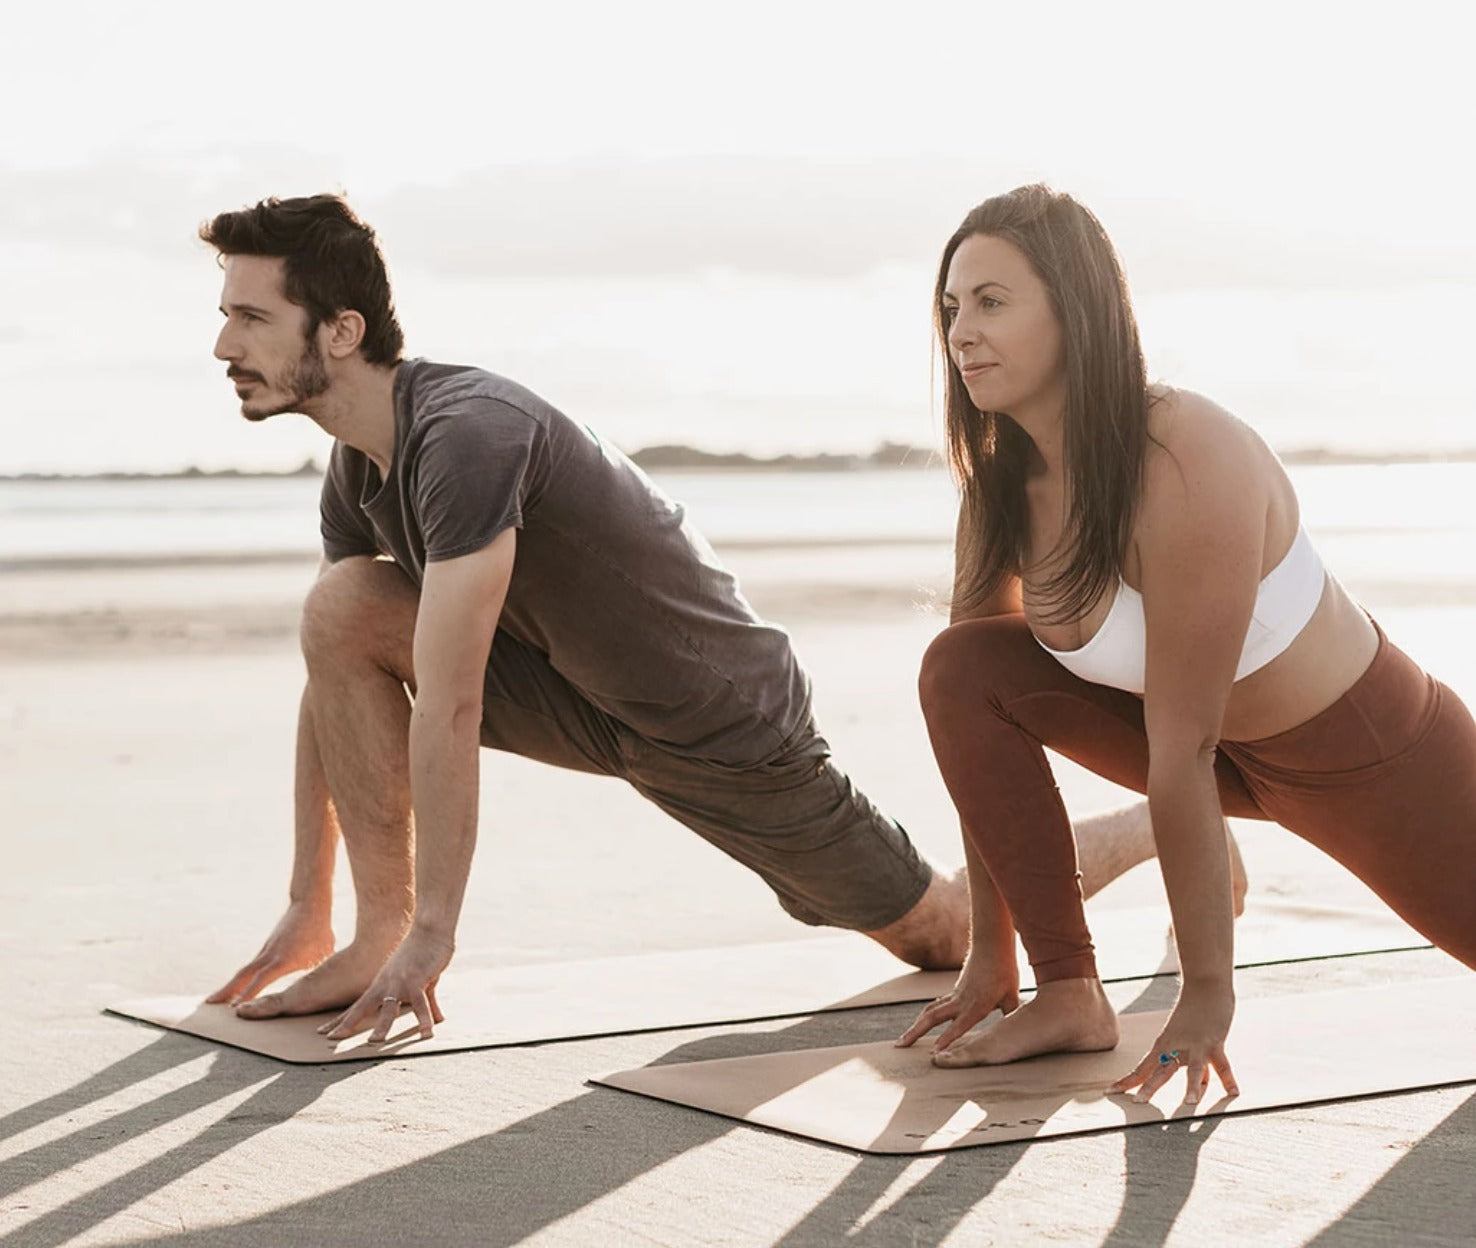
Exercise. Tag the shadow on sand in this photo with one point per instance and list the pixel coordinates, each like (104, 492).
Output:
(501, 1188)
(282, 1095)
(543, 1168)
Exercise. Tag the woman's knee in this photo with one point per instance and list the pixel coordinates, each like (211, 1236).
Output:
(359, 607)
(970, 664)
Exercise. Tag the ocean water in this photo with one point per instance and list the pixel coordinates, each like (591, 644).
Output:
(716, 359)
(1401, 522)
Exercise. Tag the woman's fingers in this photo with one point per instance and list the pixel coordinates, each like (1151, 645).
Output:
(1162, 1064)
(932, 1014)
(958, 1027)
(1134, 1077)
(1198, 1074)
(1221, 1063)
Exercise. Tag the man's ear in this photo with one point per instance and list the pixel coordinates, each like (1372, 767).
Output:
(345, 332)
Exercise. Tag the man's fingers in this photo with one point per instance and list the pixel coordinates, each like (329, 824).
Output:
(352, 1019)
(253, 985)
(232, 990)
(435, 1005)
(425, 1016)
(389, 1010)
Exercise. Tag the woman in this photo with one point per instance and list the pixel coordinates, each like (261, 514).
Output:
(1134, 590)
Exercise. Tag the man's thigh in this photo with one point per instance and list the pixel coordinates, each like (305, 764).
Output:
(830, 856)
(530, 710)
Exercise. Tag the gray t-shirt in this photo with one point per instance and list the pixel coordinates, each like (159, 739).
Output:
(610, 581)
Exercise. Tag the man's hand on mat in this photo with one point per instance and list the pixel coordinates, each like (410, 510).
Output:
(302, 938)
(976, 995)
(1193, 1040)
(408, 978)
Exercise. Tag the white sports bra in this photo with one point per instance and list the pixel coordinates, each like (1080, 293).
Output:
(1117, 654)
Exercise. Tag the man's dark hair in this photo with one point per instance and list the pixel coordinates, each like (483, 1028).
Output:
(332, 263)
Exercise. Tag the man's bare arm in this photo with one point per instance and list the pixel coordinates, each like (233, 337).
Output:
(460, 602)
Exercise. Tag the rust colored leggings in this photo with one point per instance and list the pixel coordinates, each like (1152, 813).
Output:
(1384, 781)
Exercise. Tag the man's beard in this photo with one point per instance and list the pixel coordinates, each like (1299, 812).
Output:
(307, 379)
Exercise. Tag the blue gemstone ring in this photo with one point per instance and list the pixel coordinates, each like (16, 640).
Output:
(1171, 1056)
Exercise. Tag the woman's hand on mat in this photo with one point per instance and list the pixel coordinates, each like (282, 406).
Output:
(302, 938)
(1193, 1040)
(408, 978)
(976, 995)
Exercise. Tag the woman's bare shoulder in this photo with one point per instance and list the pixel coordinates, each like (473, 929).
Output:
(1187, 425)
(1198, 446)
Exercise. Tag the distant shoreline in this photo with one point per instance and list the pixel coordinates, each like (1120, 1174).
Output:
(889, 456)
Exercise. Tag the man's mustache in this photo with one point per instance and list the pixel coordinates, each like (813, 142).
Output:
(235, 374)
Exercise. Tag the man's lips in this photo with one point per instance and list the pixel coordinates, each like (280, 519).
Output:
(238, 376)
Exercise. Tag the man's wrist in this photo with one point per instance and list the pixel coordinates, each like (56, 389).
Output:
(313, 899)
(430, 927)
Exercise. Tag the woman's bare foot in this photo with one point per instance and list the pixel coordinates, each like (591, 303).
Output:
(1064, 1016)
(334, 984)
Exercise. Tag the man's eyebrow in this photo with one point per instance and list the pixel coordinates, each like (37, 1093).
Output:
(227, 308)
(982, 286)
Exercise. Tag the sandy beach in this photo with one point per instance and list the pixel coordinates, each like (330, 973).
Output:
(146, 715)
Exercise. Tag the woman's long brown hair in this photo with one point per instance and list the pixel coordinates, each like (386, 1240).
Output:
(1105, 434)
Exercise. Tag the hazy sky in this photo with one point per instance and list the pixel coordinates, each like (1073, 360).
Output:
(1313, 117)
(1252, 145)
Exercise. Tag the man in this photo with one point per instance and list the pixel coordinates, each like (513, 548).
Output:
(540, 595)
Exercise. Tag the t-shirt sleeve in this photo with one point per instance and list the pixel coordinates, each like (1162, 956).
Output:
(474, 475)
(346, 529)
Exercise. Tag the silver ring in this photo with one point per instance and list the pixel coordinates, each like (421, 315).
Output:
(1171, 1056)
(389, 1001)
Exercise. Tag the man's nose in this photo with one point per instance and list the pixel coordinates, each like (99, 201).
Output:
(225, 348)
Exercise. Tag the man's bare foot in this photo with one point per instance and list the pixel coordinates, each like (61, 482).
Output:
(1113, 842)
(934, 934)
(1064, 1016)
(334, 984)
(1239, 885)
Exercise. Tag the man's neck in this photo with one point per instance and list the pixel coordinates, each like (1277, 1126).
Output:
(359, 409)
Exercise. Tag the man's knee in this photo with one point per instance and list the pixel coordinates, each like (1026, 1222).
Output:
(357, 608)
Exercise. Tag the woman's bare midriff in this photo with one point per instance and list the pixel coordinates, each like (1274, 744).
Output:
(1323, 663)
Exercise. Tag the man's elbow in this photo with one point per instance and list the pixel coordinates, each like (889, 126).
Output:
(455, 714)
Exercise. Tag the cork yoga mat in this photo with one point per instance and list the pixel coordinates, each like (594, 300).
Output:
(1292, 1050)
(660, 991)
